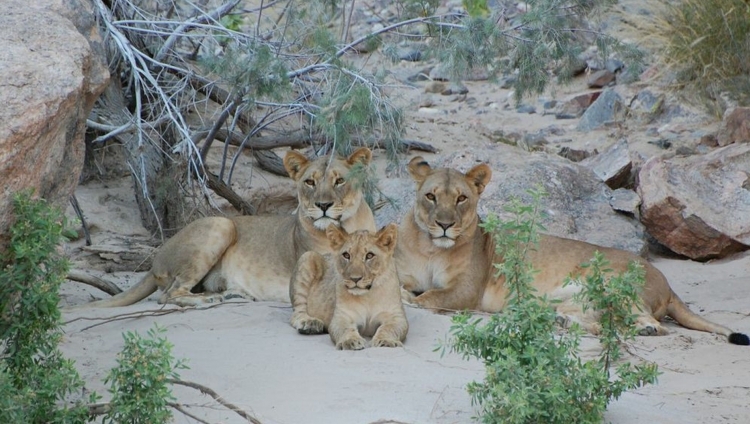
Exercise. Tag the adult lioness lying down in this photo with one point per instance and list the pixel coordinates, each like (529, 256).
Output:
(444, 260)
(253, 256)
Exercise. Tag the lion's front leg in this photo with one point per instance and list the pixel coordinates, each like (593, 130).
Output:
(308, 273)
(392, 332)
(458, 295)
(344, 333)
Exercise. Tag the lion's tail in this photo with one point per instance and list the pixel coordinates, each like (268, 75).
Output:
(678, 310)
(138, 292)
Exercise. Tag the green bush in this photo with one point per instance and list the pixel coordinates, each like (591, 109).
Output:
(37, 385)
(533, 372)
(139, 382)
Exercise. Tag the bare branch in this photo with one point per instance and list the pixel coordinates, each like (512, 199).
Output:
(207, 390)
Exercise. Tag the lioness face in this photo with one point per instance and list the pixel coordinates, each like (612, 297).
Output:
(446, 203)
(362, 256)
(324, 193)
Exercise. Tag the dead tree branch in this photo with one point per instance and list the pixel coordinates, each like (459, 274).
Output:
(106, 286)
(208, 391)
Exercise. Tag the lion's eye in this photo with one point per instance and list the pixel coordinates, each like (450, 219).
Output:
(369, 256)
(346, 255)
(310, 182)
(430, 197)
(461, 199)
(339, 181)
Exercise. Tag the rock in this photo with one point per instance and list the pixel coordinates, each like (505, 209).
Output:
(454, 88)
(577, 205)
(625, 200)
(435, 87)
(410, 54)
(575, 106)
(506, 83)
(600, 79)
(612, 165)
(735, 127)
(573, 155)
(699, 206)
(525, 109)
(605, 109)
(709, 140)
(49, 81)
(614, 66)
(646, 106)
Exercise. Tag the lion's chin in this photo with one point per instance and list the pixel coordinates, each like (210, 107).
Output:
(443, 242)
(323, 222)
(356, 291)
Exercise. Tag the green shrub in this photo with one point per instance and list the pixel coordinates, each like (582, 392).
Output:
(37, 385)
(534, 374)
(139, 383)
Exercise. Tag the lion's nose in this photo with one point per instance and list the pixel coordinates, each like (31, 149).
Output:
(324, 206)
(355, 280)
(445, 225)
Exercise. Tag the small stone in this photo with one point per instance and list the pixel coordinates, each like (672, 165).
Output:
(526, 109)
(614, 66)
(454, 88)
(600, 79)
(435, 87)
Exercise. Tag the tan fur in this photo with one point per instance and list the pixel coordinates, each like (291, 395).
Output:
(351, 293)
(452, 268)
(254, 256)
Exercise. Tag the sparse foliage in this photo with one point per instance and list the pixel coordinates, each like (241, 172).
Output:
(139, 384)
(533, 372)
(282, 75)
(708, 44)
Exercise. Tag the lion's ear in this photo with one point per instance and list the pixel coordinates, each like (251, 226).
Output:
(479, 176)
(295, 164)
(361, 155)
(336, 236)
(386, 237)
(419, 169)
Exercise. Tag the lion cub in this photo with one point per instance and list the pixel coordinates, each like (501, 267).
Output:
(351, 293)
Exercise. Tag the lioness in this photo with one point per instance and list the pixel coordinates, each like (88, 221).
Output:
(445, 259)
(354, 290)
(253, 256)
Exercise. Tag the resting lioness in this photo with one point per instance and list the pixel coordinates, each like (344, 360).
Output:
(445, 259)
(354, 290)
(253, 256)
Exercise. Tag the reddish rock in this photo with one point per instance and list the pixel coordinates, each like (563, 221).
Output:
(735, 128)
(576, 105)
(699, 206)
(49, 80)
(600, 79)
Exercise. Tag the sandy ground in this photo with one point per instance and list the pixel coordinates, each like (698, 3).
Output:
(250, 354)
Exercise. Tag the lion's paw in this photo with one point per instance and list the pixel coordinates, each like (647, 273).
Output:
(309, 325)
(386, 343)
(352, 343)
(407, 296)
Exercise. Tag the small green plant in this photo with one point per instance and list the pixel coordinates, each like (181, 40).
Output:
(708, 44)
(140, 382)
(534, 374)
(37, 384)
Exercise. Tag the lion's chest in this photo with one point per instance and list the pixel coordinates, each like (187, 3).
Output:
(422, 274)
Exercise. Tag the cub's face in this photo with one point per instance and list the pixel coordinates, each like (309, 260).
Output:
(362, 256)
(325, 194)
(446, 204)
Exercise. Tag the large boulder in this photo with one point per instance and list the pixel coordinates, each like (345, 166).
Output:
(577, 205)
(49, 80)
(699, 206)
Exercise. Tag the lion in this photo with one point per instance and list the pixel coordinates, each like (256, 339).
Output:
(253, 256)
(445, 260)
(354, 290)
